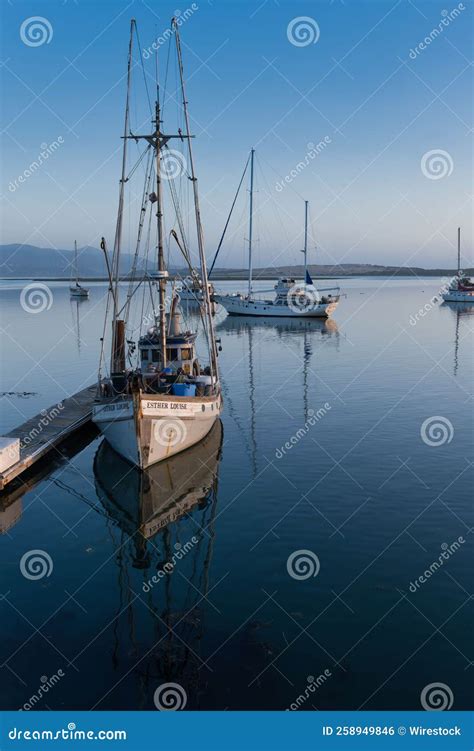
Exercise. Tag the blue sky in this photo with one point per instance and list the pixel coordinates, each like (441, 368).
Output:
(374, 192)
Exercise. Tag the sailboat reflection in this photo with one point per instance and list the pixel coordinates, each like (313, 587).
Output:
(76, 303)
(324, 327)
(460, 311)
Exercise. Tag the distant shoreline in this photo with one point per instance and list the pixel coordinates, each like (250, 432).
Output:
(238, 276)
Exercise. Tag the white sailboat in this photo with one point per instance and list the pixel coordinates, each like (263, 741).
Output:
(461, 288)
(76, 289)
(167, 401)
(293, 299)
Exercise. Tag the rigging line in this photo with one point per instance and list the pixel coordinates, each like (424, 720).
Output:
(143, 68)
(228, 218)
(214, 368)
(179, 218)
(144, 203)
(138, 162)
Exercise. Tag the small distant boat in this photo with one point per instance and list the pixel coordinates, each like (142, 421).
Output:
(76, 289)
(190, 291)
(461, 289)
(293, 299)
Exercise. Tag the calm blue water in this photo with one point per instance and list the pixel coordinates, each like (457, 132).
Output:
(356, 487)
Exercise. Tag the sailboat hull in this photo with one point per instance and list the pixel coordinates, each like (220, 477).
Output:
(462, 296)
(148, 428)
(238, 306)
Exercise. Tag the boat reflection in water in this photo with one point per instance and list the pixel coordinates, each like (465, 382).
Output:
(460, 310)
(146, 502)
(323, 326)
(163, 531)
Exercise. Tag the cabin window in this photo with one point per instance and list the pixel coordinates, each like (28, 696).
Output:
(144, 354)
(172, 354)
(155, 355)
(185, 353)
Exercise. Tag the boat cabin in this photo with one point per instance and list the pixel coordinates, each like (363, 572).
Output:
(180, 353)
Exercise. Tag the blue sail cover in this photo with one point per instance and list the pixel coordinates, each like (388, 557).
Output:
(308, 279)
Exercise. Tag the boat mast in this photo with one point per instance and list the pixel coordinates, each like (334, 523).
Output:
(252, 152)
(459, 251)
(200, 237)
(162, 273)
(117, 363)
(305, 251)
(75, 263)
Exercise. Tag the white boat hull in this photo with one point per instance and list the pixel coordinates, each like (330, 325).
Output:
(238, 306)
(148, 428)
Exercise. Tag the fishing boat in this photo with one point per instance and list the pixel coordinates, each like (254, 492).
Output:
(293, 299)
(461, 289)
(76, 289)
(157, 398)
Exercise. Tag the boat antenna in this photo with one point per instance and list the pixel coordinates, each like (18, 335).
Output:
(252, 153)
(200, 237)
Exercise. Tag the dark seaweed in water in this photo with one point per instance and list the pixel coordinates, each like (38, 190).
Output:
(19, 394)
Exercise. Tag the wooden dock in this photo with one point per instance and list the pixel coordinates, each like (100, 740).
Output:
(43, 433)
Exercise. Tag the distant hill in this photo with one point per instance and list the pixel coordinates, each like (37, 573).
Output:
(31, 262)
(344, 269)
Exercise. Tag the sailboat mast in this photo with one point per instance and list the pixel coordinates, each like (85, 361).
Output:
(305, 250)
(459, 251)
(200, 238)
(75, 262)
(162, 273)
(251, 221)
